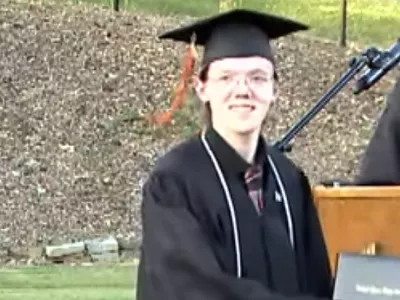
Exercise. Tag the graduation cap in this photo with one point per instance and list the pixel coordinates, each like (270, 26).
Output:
(235, 33)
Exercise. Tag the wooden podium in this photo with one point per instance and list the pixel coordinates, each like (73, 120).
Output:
(359, 219)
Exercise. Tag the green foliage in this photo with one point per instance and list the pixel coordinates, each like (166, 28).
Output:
(368, 21)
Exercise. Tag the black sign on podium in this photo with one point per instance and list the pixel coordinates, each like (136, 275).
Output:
(367, 277)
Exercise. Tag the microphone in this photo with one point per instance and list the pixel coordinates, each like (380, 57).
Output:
(379, 62)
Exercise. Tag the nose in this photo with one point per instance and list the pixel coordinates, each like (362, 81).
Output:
(242, 88)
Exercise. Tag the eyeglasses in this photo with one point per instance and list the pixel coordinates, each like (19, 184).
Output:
(253, 80)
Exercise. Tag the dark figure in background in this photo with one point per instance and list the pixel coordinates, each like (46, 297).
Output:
(381, 162)
(225, 215)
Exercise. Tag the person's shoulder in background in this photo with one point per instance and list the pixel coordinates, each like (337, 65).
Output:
(380, 164)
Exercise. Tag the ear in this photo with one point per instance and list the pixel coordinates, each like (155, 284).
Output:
(199, 87)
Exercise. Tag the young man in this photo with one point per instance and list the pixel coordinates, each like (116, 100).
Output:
(225, 216)
(381, 161)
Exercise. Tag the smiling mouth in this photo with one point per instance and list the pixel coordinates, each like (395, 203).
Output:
(241, 107)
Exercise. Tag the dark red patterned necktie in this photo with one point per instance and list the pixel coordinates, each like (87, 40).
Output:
(253, 178)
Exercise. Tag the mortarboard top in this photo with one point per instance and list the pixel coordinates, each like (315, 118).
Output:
(236, 33)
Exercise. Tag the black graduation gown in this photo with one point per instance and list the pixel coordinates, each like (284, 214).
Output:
(188, 249)
(381, 162)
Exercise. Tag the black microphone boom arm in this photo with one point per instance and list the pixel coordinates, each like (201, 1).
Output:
(378, 63)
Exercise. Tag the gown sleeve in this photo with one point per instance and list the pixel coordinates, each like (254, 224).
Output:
(178, 262)
(381, 162)
(320, 281)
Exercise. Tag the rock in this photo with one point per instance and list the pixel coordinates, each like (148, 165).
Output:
(102, 245)
(65, 249)
(103, 249)
(105, 257)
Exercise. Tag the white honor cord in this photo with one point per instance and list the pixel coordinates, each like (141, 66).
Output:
(232, 208)
(285, 200)
(230, 205)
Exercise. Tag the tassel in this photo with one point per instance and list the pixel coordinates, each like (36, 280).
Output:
(166, 117)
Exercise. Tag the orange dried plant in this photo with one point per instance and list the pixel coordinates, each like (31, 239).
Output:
(180, 92)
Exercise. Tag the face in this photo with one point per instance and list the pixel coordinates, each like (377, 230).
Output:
(239, 91)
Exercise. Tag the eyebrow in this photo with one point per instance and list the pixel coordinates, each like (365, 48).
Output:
(258, 70)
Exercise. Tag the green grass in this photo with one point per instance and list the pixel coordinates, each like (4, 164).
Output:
(68, 283)
(369, 21)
